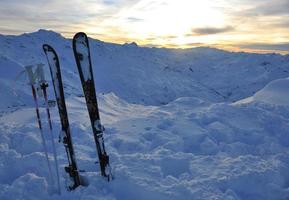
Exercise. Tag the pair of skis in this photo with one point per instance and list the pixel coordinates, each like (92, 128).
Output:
(83, 61)
(37, 77)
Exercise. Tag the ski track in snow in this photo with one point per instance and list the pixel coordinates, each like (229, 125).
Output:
(198, 146)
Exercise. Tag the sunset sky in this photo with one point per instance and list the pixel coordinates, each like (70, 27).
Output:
(250, 25)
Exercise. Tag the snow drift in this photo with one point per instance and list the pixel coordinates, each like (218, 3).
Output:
(277, 92)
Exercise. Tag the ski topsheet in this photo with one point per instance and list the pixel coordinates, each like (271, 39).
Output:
(54, 66)
(83, 61)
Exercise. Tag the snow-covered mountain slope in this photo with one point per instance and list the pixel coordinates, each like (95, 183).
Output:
(153, 76)
(172, 129)
(14, 92)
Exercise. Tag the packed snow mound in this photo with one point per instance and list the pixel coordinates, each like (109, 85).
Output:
(276, 92)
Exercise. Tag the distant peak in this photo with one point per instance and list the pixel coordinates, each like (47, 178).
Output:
(49, 32)
(44, 33)
(132, 44)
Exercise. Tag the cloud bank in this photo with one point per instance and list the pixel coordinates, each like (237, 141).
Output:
(258, 24)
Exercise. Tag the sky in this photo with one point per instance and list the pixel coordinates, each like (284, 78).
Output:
(238, 25)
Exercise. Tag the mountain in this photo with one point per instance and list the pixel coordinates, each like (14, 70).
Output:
(154, 76)
(182, 124)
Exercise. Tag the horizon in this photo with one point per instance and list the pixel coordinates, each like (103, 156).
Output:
(243, 26)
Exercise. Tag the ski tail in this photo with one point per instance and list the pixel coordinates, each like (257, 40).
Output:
(55, 72)
(83, 62)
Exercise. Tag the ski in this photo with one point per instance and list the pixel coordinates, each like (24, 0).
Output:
(83, 60)
(55, 72)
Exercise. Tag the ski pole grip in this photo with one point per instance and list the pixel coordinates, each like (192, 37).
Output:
(30, 74)
(40, 73)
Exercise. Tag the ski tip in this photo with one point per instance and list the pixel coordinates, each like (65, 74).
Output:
(79, 35)
(47, 47)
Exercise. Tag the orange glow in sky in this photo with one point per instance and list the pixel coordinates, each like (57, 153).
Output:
(248, 25)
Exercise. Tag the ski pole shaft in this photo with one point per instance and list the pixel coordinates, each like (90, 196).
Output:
(41, 133)
(43, 87)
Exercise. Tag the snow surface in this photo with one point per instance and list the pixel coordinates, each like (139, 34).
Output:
(277, 92)
(173, 128)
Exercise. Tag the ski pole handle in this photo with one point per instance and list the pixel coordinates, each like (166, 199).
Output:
(30, 74)
(40, 73)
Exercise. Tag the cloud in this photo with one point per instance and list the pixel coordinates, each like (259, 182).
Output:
(266, 46)
(196, 44)
(165, 39)
(118, 3)
(8, 31)
(134, 19)
(109, 2)
(262, 8)
(283, 24)
(170, 37)
(210, 30)
(155, 22)
(18, 16)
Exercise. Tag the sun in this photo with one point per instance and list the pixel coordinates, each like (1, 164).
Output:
(168, 20)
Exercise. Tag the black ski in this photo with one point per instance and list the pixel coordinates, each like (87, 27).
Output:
(54, 66)
(83, 61)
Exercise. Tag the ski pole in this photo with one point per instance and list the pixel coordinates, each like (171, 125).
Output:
(44, 85)
(31, 83)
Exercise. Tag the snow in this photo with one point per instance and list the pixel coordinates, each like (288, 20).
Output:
(179, 124)
(11, 89)
(275, 93)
